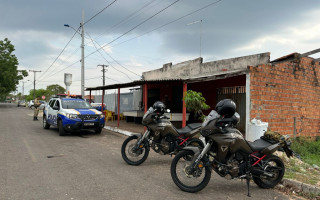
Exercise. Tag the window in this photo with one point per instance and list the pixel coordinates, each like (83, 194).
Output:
(51, 103)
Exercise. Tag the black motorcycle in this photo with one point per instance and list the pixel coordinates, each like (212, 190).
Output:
(160, 135)
(229, 154)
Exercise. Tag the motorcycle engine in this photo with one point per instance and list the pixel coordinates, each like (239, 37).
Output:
(233, 166)
(164, 146)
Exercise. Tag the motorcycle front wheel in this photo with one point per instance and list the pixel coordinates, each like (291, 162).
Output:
(274, 171)
(189, 182)
(132, 155)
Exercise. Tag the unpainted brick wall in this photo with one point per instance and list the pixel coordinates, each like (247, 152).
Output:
(279, 92)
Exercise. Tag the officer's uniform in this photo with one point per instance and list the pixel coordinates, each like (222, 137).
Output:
(36, 109)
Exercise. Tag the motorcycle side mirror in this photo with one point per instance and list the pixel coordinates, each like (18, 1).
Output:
(168, 110)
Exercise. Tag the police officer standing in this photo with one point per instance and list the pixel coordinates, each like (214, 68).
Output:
(36, 108)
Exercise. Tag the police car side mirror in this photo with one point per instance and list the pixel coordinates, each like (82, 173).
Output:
(55, 107)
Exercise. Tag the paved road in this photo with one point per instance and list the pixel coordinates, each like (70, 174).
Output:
(89, 166)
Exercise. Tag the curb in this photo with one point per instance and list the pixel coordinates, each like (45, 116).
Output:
(117, 130)
(299, 187)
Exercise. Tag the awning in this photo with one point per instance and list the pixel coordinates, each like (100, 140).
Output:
(216, 76)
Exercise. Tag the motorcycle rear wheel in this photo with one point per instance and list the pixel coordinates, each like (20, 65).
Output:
(189, 182)
(273, 165)
(137, 157)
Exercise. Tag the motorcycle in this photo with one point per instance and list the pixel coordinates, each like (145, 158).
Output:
(230, 156)
(161, 136)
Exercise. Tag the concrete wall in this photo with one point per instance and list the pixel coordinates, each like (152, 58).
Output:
(282, 91)
(195, 68)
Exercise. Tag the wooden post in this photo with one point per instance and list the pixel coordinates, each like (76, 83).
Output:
(118, 107)
(184, 108)
(102, 100)
(145, 99)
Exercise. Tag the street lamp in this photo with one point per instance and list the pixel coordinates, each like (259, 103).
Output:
(82, 51)
(200, 30)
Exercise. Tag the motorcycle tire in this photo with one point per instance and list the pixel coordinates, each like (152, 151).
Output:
(272, 164)
(178, 160)
(144, 151)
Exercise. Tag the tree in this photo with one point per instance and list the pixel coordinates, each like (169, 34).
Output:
(195, 102)
(9, 75)
(55, 89)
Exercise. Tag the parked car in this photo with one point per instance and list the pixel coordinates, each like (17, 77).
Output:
(98, 106)
(22, 103)
(31, 104)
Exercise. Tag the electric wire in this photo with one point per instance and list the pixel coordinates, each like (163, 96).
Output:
(95, 42)
(135, 26)
(107, 60)
(58, 55)
(99, 12)
(126, 19)
(168, 23)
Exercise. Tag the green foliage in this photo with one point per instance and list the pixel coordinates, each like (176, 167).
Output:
(9, 75)
(48, 92)
(55, 89)
(196, 103)
(308, 149)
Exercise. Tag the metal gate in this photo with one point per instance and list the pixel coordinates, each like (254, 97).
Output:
(238, 95)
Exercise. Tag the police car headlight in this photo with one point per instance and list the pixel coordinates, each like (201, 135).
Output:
(72, 116)
(101, 116)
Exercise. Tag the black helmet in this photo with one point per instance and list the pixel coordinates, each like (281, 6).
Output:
(159, 107)
(226, 108)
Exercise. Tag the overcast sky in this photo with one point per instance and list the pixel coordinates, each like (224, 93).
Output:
(229, 28)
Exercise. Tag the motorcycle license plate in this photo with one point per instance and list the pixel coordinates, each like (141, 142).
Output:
(88, 124)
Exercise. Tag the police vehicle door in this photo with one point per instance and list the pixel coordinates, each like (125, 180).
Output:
(54, 112)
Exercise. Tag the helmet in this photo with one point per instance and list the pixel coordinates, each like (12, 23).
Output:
(159, 107)
(226, 108)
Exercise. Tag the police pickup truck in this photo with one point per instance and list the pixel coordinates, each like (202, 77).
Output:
(71, 114)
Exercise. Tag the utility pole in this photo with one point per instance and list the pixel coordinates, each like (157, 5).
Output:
(34, 82)
(82, 55)
(103, 71)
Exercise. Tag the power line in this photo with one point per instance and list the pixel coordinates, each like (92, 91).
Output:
(136, 26)
(169, 23)
(98, 50)
(126, 18)
(112, 57)
(99, 12)
(59, 54)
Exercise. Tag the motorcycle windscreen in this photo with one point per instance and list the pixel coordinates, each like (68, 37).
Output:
(212, 116)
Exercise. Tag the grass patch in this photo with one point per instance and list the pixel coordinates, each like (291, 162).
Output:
(308, 149)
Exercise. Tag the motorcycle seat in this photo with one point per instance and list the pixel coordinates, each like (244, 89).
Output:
(259, 145)
(188, 128)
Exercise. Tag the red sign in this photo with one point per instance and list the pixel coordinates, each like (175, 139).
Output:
(43, 97)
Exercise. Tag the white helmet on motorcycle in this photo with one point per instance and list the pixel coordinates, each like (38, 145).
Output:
(226, 108)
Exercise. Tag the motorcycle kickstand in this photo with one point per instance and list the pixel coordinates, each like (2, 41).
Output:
(248, 184)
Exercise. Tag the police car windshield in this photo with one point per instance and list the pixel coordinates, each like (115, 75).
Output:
(75, 104)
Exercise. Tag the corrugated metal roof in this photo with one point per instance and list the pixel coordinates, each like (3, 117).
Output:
(219, 75)
(131, 84)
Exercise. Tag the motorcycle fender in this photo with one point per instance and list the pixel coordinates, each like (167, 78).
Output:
(195, 150)
(271, 149)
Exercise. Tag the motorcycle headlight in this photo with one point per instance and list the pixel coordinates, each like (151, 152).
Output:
(72, 116)
(101, 116)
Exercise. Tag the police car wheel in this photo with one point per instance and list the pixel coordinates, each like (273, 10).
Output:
(62, 132)
(45, 123)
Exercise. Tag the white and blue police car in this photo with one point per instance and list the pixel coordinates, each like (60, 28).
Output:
(72, 114)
